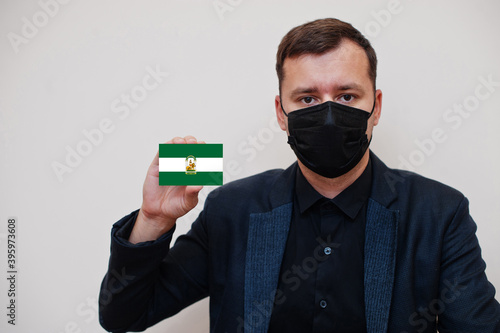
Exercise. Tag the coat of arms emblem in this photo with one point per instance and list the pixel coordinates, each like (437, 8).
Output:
(190, 165)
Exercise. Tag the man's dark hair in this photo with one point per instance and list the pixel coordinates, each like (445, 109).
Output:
(321, 36)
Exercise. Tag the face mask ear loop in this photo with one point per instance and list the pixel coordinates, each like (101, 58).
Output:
(371, 112)
(281, 104)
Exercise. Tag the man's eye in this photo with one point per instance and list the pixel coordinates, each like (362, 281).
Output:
(346, 98)
(307, 100)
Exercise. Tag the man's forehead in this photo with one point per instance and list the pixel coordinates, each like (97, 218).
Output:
(346, 65)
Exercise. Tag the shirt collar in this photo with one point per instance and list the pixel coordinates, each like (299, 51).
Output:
(350, 201)
(306, 195)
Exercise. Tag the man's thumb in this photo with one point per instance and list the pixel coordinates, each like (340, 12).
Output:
(192, 195)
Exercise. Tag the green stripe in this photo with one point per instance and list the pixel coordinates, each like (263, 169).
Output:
(181, 178)
(197, 150)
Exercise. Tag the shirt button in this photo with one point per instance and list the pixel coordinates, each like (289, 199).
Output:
(323, 304)
(328, 250)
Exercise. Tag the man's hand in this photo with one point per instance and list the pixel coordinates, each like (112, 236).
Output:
(162, 205)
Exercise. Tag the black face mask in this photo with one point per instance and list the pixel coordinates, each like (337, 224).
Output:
(330, 138)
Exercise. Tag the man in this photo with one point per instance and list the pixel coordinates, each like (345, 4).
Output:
(337, 242)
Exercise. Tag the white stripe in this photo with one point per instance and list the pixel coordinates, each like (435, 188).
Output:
(203, 164)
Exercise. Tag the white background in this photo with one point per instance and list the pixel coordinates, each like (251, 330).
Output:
(221, 83)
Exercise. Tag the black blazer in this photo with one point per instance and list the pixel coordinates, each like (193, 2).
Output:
(423, 265)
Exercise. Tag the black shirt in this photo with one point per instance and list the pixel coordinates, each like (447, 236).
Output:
(321, 288)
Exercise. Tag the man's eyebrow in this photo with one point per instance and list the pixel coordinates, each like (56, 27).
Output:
(300, 91)
(313, 90)
(350, 86)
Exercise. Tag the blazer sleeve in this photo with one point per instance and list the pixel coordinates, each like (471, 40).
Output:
(148, 282)
(466, 301)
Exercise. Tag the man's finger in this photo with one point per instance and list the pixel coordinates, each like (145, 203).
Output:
(178, 139)
(190, 139)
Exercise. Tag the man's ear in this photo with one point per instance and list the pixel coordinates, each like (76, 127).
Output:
(280, 116)
(378, 107)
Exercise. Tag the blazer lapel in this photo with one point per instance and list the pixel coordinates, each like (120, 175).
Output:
(380, 263)
(380, 249)
(267, 235)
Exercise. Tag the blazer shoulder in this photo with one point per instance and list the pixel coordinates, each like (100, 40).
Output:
(395, 186)
(418, 188)
(417, 182)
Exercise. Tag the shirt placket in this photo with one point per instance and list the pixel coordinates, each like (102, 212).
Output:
(331, 221)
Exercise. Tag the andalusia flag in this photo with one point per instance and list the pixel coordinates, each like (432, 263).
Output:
(190, 164)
